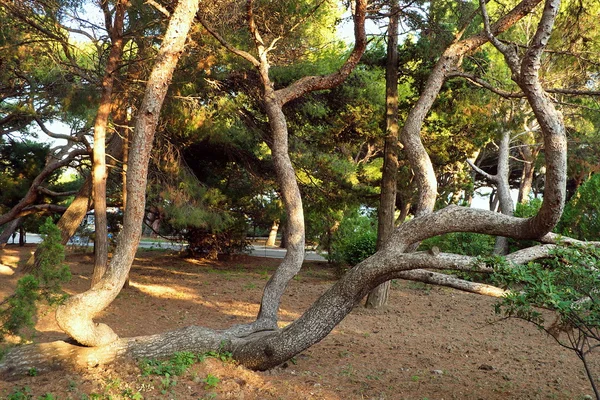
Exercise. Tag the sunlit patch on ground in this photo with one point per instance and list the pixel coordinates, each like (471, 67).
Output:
(163, 291)
(6, 270)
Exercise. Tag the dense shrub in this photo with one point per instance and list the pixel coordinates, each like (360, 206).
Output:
(466, 243)
(18, 311)
(355, 239)
(566, 283)
(581, 218)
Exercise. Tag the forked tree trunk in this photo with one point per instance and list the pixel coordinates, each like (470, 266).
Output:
(99, 172)
(389, 180)
(274, 100)
(76, 315)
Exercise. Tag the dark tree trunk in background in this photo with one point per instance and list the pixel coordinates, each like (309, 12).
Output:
(389, 180)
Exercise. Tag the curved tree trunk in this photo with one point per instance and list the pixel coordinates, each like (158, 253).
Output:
(389, 180)
(76, 315)
(292, 200)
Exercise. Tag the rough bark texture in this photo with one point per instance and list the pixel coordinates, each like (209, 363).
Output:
(76, 315)
(99, 172)
(389, 180)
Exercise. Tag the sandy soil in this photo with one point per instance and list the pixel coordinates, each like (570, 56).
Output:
(430, 343)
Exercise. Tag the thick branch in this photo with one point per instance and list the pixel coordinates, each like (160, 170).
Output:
(52, 193)
(312, 83)
(31, 195)
(37, 208)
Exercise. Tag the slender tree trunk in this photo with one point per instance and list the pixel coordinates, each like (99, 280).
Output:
(99, 172)
(404, 210)
(387, 203)
(529, 155)
(22, 238)
(273, 234)
(76, 315)
(502, 183)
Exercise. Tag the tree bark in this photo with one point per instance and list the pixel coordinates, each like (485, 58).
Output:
(389, 180)
(9, 229)
(76, 315)
(99, 172)
(273, 101)
(504, 197)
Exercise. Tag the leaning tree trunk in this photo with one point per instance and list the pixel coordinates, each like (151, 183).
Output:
(9, 229)
(274, 100)
(389, 180)
(76, 315)
(292, 199)
(99, 172)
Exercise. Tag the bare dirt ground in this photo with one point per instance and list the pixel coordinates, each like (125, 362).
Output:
(430, 343)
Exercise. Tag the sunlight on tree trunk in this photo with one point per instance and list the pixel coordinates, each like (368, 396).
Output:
(76, 315)
(99, 172)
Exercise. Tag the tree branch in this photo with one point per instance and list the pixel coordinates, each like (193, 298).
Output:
(312, 83)
(244, 54)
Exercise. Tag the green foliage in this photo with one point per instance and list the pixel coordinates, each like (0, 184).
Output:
(529, 209)
(211, 381)
(174, 366)
(23, 393)
(466, 243)
(355, 239)
(567, 283)
(18, 310)
(179, 362)
(581, 217)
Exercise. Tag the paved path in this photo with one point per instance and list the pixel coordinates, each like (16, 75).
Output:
(255, 250)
